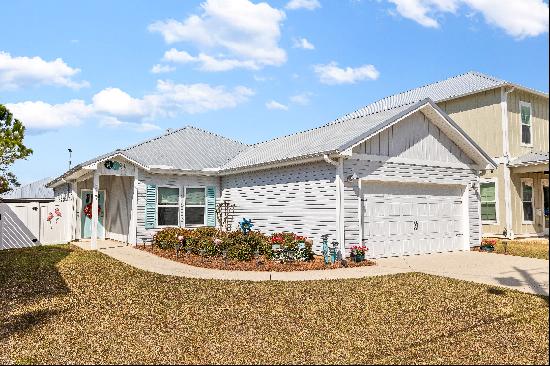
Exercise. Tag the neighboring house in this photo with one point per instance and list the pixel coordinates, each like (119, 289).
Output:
(24, 213)
(398, 175)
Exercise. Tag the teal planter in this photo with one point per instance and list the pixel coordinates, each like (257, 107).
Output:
(487, 248)
(359, 258)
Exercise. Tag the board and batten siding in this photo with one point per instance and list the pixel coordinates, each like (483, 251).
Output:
(416, 137)
(167, 180)
(480, 116)
(539, 123)
(299, 198)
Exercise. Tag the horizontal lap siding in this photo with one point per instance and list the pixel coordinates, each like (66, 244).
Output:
(180, 181)
(403, 172)
(299, 198)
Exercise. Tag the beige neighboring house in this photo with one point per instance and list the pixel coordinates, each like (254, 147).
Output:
(509, 122)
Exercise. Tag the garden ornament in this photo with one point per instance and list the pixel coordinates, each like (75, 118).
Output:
(246, 225)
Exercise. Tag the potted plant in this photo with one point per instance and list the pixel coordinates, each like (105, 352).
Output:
(358, 252)
(488, 245)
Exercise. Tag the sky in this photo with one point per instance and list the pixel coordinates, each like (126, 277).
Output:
(101, 75)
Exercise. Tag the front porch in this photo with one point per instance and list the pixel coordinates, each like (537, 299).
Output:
(105, 204)
(86, 244)
(530, 202)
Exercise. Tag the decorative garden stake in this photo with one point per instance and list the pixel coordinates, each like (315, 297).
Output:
(333, 251)
(224, 214)
(325, 248)
(246, 225)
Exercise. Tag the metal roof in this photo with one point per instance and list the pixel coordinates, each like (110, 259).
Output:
(536, 157)
(191, 148)
(34, 190)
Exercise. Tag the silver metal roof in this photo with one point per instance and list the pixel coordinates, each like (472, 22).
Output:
(536, 157)
(191, 148)
(34, 190)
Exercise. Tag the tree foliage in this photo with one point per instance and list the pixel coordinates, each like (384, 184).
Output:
(12, 133)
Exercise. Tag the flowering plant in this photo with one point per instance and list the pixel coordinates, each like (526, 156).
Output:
(88, 210)
(358, 250)
(491, 242)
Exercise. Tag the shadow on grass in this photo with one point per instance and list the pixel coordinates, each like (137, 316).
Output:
(26, 276)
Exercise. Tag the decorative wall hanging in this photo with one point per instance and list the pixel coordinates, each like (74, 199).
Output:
(112, 165)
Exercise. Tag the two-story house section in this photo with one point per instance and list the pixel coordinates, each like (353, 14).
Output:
(510, 123)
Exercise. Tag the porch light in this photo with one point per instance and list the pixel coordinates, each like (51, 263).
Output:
(352, 178)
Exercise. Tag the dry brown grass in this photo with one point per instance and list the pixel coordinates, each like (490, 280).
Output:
(64, 305)
(524, 248)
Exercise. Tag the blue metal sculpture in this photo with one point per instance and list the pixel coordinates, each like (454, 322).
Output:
(246, 225)
(326, 255)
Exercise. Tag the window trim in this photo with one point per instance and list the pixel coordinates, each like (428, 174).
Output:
(185, 207)
(178, 206)
(543, 183)
(495, 181)
(526, 104)
(530, 182)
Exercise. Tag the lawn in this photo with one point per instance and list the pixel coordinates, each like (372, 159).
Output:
(64, 305)
(524, 248)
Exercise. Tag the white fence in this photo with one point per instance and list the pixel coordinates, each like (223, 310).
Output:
(29, 224)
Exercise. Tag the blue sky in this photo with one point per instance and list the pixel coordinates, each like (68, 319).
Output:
(82, 74)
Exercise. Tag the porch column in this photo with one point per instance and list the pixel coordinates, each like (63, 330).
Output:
(132, 234)
(340, 206)
(95, 218)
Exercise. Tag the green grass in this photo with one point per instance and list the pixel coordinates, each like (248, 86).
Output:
(64, 305)
(524, 248)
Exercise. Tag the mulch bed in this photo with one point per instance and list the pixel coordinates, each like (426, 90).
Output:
(262, 264)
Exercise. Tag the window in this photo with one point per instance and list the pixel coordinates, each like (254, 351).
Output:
(168, 206)
(525, 112)
(527, 199)
(488, 201)
(195, 206)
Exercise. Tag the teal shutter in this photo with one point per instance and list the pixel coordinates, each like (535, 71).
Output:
(210, 206)
(150, 206)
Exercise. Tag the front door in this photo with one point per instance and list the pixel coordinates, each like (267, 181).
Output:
(545, 209)
(86, 214)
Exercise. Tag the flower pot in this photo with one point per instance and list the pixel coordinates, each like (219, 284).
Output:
(487, 248)
(359, 258)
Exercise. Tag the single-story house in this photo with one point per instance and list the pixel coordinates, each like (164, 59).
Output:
(402, 178)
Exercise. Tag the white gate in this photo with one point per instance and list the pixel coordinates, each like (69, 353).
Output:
(33, 223)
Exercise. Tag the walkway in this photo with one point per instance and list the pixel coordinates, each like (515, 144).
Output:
(518, 273)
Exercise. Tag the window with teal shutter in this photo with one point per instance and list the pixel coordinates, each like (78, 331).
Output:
(210, 206)
(488, 201)
(150, 206)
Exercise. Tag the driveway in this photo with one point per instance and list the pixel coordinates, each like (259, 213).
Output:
(518, 273)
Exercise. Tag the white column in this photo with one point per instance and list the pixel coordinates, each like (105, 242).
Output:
(132, 233)
(506, 170)
(339, 205)
(95, 218)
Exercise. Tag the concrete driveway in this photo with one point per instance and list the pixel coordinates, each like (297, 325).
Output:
(518, 273)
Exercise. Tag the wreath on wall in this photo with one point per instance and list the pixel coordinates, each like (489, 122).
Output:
(88, 210)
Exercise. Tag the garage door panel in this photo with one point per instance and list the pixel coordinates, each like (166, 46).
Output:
(404, 219)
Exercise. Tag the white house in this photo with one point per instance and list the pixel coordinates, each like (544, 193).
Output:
(399, 176)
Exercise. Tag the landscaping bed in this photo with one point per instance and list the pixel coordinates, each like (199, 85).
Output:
(247, 250)
(537, 248)
(260, 264)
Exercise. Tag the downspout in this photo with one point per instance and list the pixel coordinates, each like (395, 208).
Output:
(508, 228)
(339, 164)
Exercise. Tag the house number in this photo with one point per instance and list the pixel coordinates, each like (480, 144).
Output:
(416, 225)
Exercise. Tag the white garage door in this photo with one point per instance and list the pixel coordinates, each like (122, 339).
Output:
(403, 219)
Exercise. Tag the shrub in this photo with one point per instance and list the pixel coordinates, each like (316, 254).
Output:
(290, 248)
(167, 238)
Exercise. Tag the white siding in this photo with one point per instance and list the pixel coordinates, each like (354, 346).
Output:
(416, 137)
(180, 181)
(299, 198)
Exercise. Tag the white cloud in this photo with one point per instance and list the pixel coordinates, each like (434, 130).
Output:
(301, 99)
(116, 102)
(114, 122)
(240, 29)
(276, 105)
(518, 18)
(16, 72)
(116, 108)
(303, 4)
(159, 69)
(44, 116)
(332, 74)
(180, 57)
(303, 43)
